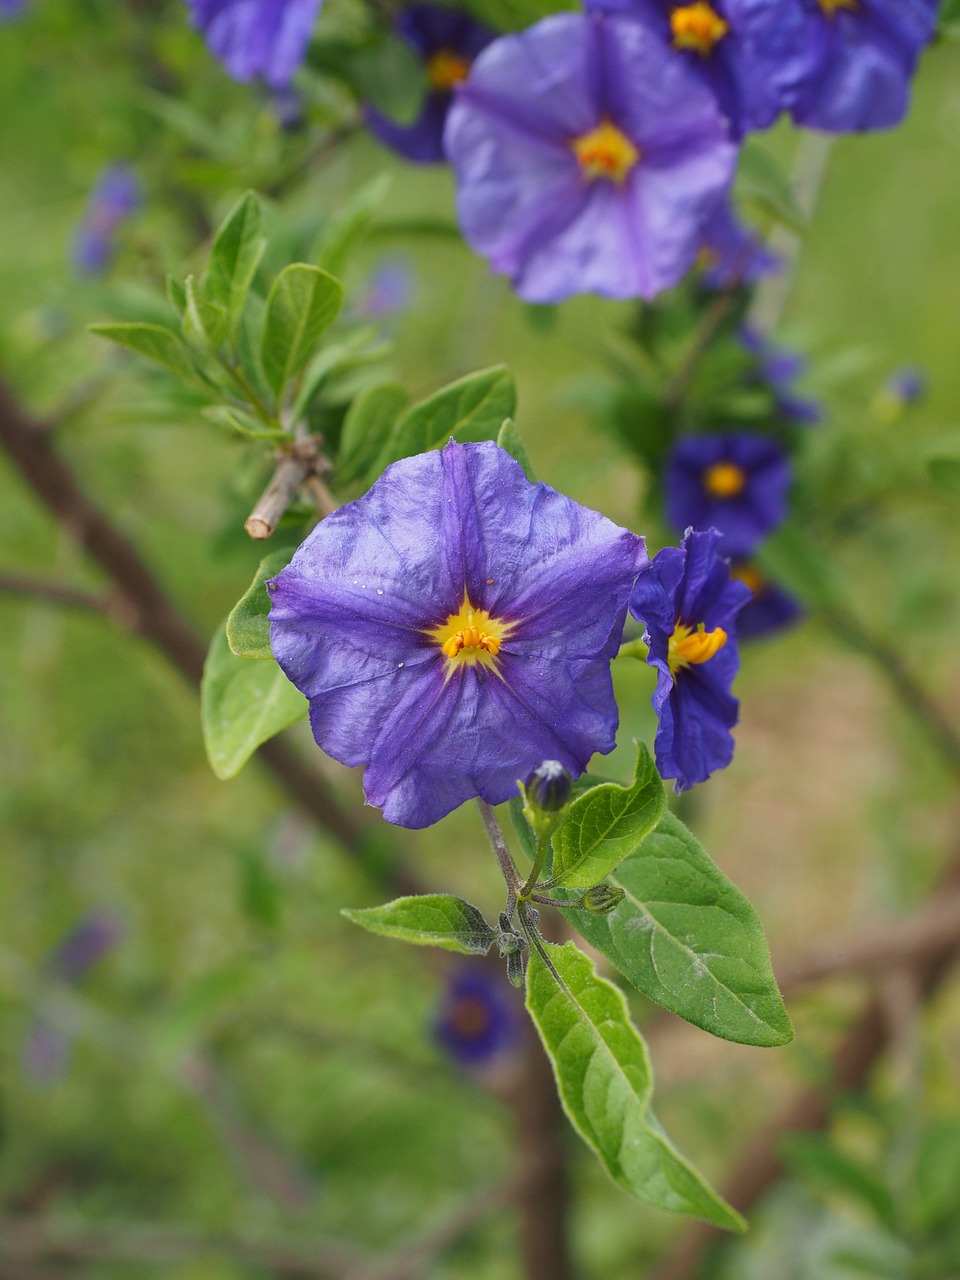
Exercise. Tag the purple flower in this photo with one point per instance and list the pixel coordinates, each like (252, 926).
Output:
(778, 368)
(115, 198)
(587, 159)
(264, 39)
(45, 1053)
(861, 56)
(735, 483)
(689, 604)
(91, 938)
(454, 627)
(770, 609)
(390, 288)
(731, 255)
(447, 43)
(477, 1022)
(10, 10)
(745, 50)
(906, 386)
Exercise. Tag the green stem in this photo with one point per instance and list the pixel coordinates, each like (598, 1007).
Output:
(543, 844)
(253, 398)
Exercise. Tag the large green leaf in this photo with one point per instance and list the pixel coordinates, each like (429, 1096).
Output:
(473, 408)
(366, 427)
(605, 825)
(248, 626)
(242, 704)
(689, 939)
(303, 301)
(153, 341)
(429, 920)
(235, 255)
(605, 1082)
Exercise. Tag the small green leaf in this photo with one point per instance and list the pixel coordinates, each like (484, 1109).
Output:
(607, 824)
(366, 427)
(153, 341)
(688, 938)
(514, 15)
(177, 295)
(303, 301)
(348, 224)
(242, 704)
(761, 179)
(204, 322)
(389, 75)
(429, 920)
(472, 408)
(605, 1082)
(945, 472)
(235, 255)
(248, 628)
(509, 438)
(243, 423)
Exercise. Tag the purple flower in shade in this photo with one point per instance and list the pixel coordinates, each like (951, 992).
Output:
(91, 938)
(861, 56)
(454, 627)
(10, 10)
(770, 608)
(389, 289)
(257, 39)
(477, 1023)
(45, 1054)
(778, 368)
(735, 483)
(447, 43)
(906, 386)
(731, 254)
(115, 198)
(689, 604)
(745, 50)
(587, 160)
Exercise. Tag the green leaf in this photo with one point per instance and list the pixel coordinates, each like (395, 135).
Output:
(605, 1082)
(761, 179)
(688, 938)
(389, 75)
(472, 408)
(242, 704)
(366, 427)
(176, 295)
(797, 564)
(235, 255)
(243, 423)
(348, 224)
(429, 920)
(509, 438)
(248, 630)
(606, 824)
(945, 472)
(514, 15)
(204, 322)
(303, 301)
(153, 341)
(825, 1167)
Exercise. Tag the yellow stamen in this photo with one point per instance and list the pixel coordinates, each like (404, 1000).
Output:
(724, 480)
(470, 636)
(830, 7)
(605, 152)
(698, 27)
(445, 69)
(688, 647)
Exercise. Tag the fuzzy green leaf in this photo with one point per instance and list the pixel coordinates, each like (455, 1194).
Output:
(429, 920)
(153, 341)
(688, 938)
(605, 1082)
(242, 704)
(473, 408)
(248, 628)
(235, 255)
(606, 824)
(303, 301)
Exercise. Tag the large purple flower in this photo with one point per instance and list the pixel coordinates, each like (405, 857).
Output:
(689, 604)
(447, 43)
(587, 159)
(745, 50)
(453, 628)
(263, 39)
(736, 483)
(861, 56)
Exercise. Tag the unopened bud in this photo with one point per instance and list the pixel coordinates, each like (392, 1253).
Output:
(602, 899)
(548, 787)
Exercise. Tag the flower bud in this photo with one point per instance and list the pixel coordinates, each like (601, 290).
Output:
(548, 787)
(602, 899)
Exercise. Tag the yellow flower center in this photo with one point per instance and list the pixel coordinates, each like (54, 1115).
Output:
(605, 152)
(698, 27)
(724, 480)
(470, 636)
(689, 647)
(445, 69)
(830, 7)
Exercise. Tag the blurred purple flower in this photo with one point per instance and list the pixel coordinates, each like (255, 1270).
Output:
(454, 627)
(778, 369)
(389, 289)
(115, 198)
(45, 1054)
(447, 43)
(477, 1022)
(91, 938)
(587, 159)
(906, 386)
(257, 39)
(770, 609)
(10, 10)
(731, 254)
(735, 483)
(689, 604)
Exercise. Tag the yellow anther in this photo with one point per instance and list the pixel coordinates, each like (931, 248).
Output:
(689, 647)
(470, 636)
(698, 27)
(605, 152)
(830, 7)
(724, 480)
(446, 69)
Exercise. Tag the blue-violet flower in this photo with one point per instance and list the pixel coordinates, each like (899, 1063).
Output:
(731, 254)
(265, 39)
(778, 368)
(453, 628)
(114, 198)
(770, 609)
(477, 1022)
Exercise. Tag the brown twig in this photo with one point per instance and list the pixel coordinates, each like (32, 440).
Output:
(295, 466)
(59, 593)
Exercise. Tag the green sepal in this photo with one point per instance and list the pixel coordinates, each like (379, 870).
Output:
(429, 920)
(242, 704)
(248, 627)
(235, 255)
(303, 301)
(687, 937)
(605, 1083)
(509, 438)
(470, 409)
(155, 342)
(606, 824)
